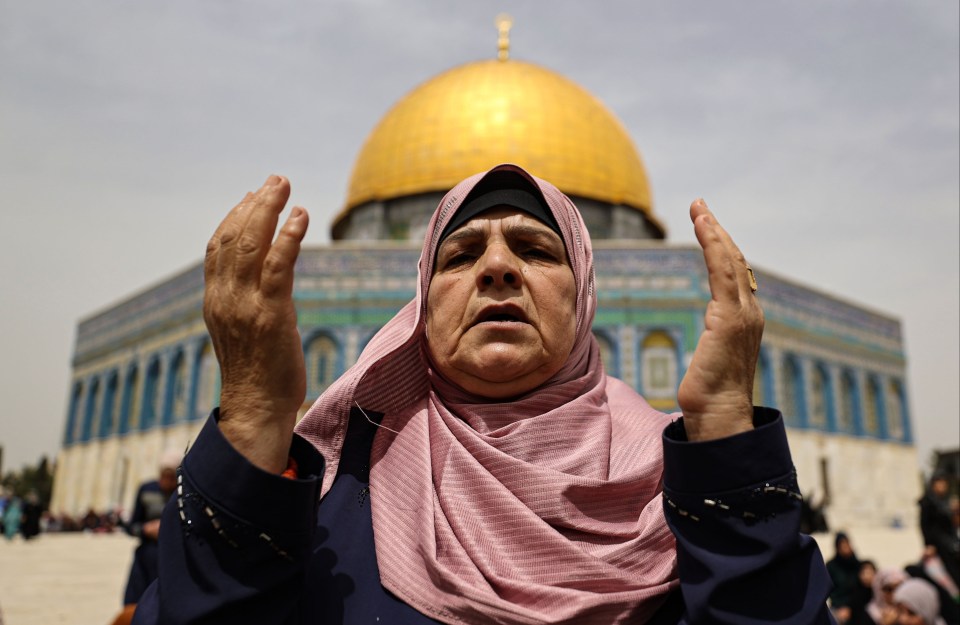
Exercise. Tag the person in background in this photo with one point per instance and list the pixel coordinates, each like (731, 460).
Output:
(11, 517)
(936, 523)
(844, 570)
(932, 571)
(32, 509)
(863, 594)
(917, 603)
(144, 524)
(4, 500)
(881, 608)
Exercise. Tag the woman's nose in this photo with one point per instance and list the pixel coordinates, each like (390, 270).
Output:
(499, 267)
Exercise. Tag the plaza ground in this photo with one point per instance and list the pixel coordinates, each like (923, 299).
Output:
(78, 578)
(64, 579)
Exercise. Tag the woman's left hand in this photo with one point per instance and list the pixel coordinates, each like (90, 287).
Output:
(716, 394)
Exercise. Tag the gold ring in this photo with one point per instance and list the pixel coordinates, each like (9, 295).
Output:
(753, 279)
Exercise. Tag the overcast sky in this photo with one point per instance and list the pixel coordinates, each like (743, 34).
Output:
(825, 135)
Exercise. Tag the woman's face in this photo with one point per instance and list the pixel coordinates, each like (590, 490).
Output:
(906, 616)
(501, 308)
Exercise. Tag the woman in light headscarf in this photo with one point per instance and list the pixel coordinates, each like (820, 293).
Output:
(917, 603)
(881, 606)
(477, 465)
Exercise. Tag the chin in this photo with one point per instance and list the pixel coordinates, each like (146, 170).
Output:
(498, 391)
(499, 381)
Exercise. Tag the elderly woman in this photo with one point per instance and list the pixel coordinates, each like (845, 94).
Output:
(477, 465)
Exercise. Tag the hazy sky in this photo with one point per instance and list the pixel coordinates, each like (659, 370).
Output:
(825, 135)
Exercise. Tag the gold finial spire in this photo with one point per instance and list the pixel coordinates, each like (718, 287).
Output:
(503, 22)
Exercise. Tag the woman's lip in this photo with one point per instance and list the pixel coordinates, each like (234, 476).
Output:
(495, 314)
(502, 323)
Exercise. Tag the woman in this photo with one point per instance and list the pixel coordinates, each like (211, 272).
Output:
(917, 603)
(476, 465)
(844, 571)
(940, 537)
(881, 608)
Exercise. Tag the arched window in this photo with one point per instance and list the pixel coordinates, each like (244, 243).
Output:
(658, 367)
(762, 385)
(323, 362)
(608, 354)
(871, 413)
(130, 403)
(150, 407)
(821, 396)
(849, 405)
(70, 433)
(793, 401)
(175, 404)
(895, 411)
(108, 412)
(89, 411)
(208, 381)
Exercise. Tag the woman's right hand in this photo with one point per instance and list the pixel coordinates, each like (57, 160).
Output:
(249, 312)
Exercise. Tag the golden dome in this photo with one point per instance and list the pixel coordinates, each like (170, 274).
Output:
(478, 115)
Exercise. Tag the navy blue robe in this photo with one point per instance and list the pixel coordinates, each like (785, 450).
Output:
(239, 545)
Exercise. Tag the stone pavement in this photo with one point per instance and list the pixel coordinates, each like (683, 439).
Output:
(78, 579)
(64, 579)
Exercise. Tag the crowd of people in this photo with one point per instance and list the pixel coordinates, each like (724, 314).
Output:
(20, 515)
(28, 519)
(926, 592)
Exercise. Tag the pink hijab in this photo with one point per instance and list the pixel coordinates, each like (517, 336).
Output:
(545, 508)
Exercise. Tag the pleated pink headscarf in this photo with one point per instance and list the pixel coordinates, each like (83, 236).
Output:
(542, 509)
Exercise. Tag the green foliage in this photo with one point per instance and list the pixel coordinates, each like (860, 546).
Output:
(38, 479)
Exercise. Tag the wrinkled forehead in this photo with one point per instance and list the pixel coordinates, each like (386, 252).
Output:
(509, 219)
(497, 190)
(505, 185)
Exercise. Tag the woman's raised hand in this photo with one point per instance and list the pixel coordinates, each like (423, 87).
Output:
(716, 394)
(249, 312)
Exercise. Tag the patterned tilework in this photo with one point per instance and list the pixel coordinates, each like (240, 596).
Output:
(346, 291)
(349, 290)
(167, 304)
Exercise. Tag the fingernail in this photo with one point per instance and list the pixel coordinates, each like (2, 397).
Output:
(272, 179)
(296, 212)
(701, 201)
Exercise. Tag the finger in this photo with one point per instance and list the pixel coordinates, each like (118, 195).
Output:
(259, 225)
(221, 248)
(278, 265)
(726, 265)
(228, 229)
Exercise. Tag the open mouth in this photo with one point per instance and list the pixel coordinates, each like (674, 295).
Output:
(500, 317)
(502, 314)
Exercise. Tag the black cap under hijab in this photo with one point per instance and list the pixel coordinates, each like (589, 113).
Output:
(503, 188)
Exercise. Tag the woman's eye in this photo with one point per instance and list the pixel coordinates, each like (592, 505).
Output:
(455, 260)
(539, 253)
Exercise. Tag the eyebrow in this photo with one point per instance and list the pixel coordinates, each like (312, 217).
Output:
(523, 230)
